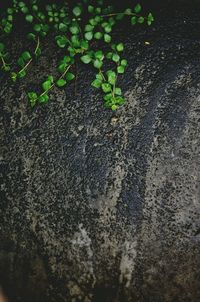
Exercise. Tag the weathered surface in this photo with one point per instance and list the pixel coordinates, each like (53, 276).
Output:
(102, 206)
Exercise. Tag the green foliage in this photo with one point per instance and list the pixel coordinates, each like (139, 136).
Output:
(77, 31)
(3, 56)
(61, 82)
(86, 59)
(77, 11)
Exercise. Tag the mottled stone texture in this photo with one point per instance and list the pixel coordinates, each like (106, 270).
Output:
(102, 206)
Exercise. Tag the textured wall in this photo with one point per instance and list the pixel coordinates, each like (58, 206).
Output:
(103, 206)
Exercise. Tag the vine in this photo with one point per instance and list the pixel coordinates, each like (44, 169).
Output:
(75, 31)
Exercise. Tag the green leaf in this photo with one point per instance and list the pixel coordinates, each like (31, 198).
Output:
(46, 85)
(41, 16)
(61, 82)
(98, 35)
(89, 35)
(61, 41)
(150, 19)
(32, 98)
(98, 19)
(115, 57)
(133, 20)
(14, 76)
(69, 76)
(108, 97)
(43, 98)
(22, 73)
(26, 55)
(10, 11)
(29, 18)
(67, 59)
(24, 10)
(32, 102)
(111, 77)
(137, 8)
(118, 91)
(119, 100)
(99, 76)
(10, 18)
(114, 107)
(43, 34)
(104, 24)
(106, 87)
(141, 20)
(45, 28)
(109, 55)
(86, 59)
(98, 64)
(72, 51)
(108, 28)
(37, 27)
(98, 10)
(62, 67)
(124, 62)
(35, 8)
(90, 9)
(120, 69)
(77, 11)
(6, 68)
(111, 21)
(89, 27)
(93, 21)
(84, 45)
(120, 47)
(50, 78)
(107, 38)
(96, 83)
(8, 28)
(75, 41)
(113, 46)
(74, 29)
(21, 62)
(21, 4)
(62, 27)
(128, 11)
(31, 36)
(99, 55)
(120, 16)
(32, 95)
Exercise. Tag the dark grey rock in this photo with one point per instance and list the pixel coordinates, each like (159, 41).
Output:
(103, 206)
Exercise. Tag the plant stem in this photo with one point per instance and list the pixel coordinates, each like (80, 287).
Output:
(116, 14)
(38, 44)
(27, 64)
(35, 51)
(100, 71)
(4, 63)
(58, 79)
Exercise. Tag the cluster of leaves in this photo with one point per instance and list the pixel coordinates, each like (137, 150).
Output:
(76, 30)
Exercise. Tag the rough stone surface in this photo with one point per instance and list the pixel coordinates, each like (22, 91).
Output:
(102, 206)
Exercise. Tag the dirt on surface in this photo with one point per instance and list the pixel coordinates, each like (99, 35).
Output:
(105, 206)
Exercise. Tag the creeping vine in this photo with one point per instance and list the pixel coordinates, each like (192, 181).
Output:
(75, 28)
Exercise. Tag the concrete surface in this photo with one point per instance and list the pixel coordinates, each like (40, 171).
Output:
(102, 206)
